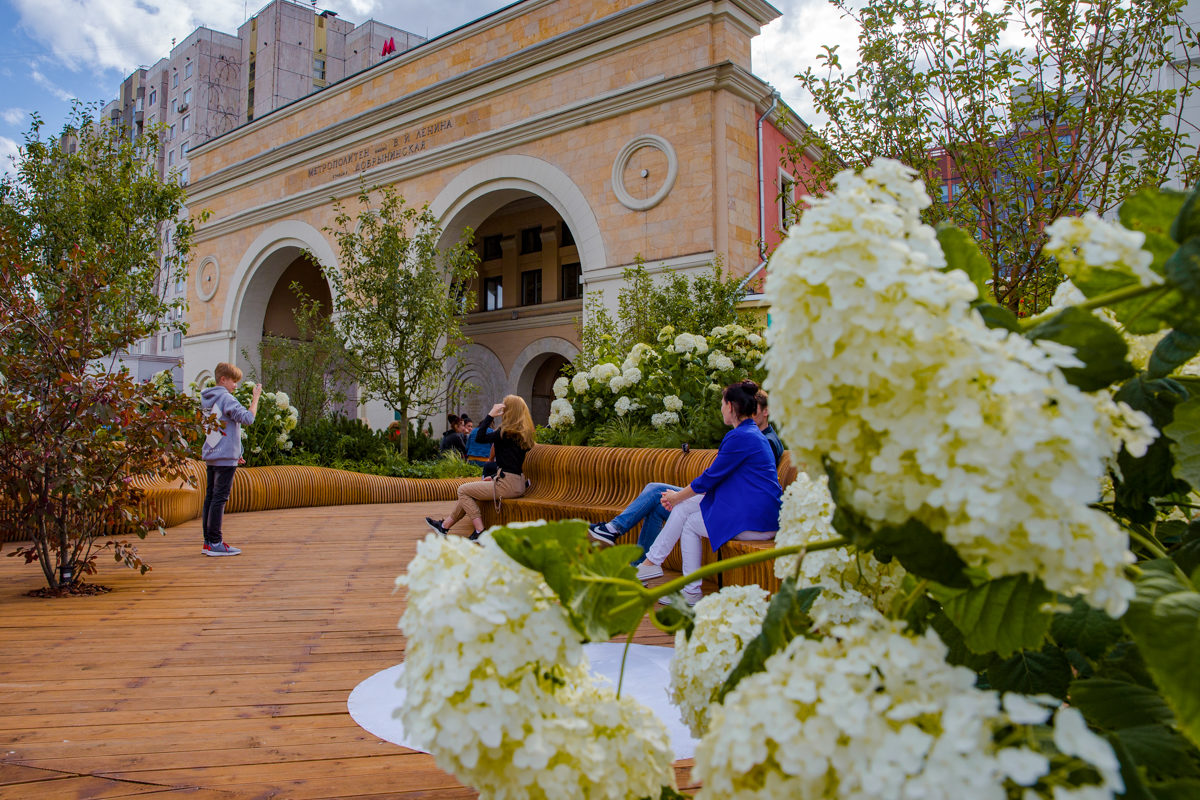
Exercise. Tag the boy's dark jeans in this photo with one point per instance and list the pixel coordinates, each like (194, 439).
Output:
(220, 481)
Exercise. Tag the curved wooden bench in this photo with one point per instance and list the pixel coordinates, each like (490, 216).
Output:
(596, 483)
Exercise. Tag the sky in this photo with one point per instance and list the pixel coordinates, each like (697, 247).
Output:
(46, 63)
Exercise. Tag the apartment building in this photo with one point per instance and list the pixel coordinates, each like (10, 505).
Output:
(212, 82)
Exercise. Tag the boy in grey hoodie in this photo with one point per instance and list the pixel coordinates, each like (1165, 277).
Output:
(222, 452)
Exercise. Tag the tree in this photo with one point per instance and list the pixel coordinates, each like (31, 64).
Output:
(399, 301)
(695, 304)
(1066, 118)
(309, 368)
(80, 223)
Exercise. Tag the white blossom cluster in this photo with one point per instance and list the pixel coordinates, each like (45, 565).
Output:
(626, 404)
(878, 363)
(664, 418)
(725, 623)
(854, 585)
(1087, 243)
(870, 713)
(497, 686)
(562, 414)
(672, 403)
(719, 361)
(560, 387)
(691, 343)
(579, 382)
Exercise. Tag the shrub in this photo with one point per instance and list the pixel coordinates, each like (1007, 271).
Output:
(338, 438)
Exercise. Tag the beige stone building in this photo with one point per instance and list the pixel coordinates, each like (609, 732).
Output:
(571, 135)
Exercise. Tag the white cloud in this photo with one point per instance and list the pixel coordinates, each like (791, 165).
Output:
(50, 86)
(14, 116)
(790, 45)
(9, 150)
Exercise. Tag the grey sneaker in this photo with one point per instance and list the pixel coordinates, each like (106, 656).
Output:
(220, 549)
(688, 597)
(647, 571)
(598, 534)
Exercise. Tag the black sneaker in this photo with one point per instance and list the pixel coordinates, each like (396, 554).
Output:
(598, 534)
(435, 525)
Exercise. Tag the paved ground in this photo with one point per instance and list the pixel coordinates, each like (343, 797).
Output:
(218, 677)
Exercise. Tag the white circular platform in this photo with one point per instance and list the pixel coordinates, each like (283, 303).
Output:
(373, 701)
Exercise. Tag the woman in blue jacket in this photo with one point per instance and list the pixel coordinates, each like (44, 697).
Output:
(738, 497)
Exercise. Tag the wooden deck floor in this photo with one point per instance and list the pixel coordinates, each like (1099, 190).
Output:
(218, 677)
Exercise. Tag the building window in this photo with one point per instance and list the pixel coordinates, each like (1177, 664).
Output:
(945, 193)
(187, 70)
(567, 238)
(177, 340)
(319, 67)
(186, 124)
(183, 177)
(153, 96)
(493, 293)
(571, 285)
(787, 201)
(531, 287)
(171, 157)
(179, 284)
(183, 148)
(531, 240)
(187, 97)
(491, 247)
(174, 104)
(174, 80)
(162, 343)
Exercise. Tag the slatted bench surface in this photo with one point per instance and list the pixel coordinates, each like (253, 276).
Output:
(219, 677)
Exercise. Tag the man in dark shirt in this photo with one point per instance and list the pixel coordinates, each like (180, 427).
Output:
(760, 419)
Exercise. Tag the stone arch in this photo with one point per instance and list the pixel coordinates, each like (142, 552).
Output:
(201, 377)
(550, 352)
(483, 188)
(254, 280)
(483, 369)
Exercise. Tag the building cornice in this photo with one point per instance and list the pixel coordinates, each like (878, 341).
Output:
(725, 76)
(548, 57)
(526, 318)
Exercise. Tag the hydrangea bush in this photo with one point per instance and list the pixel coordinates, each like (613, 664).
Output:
(965, 609)
(268, 440)
(661, 395)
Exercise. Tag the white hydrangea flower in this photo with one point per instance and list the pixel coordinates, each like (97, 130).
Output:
(672, 403)
(560, 387)
(562, 414)
(599, 404)
(579, 382)
(854, 585)
(725, 623)
(242, 433)
(636, 355)
(754, 340)
(1072, 737)
(719, 361)
(281, 439)
(632, 375)
(663, 419)
(1088, 242)
(878, 363)
(690, 343)
(497, 687)
(622, 406)
(282, 401)
(617, 384)
(863, 714)
(601, 373)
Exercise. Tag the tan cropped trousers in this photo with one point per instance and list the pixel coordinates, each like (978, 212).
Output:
(507, 484)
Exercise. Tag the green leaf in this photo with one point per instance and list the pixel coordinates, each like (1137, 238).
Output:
(1135, 782)
(1186, 789)
(1164, 620)
(1096, 343)
(1187, 221)
(962, 252)
(957, 652)
(997, 317)
(1173, 351)
(1161, 751)
(1143, 479)
(1086, 629)
(787, 617)
(1153, 212)
(668, 793)
(1183, 268)
(1112, 704)
(1187, 554)
(921, 551)
(1002, 616)
(676, 616)
(1045, 671)
(560, 551)
(1184, 433)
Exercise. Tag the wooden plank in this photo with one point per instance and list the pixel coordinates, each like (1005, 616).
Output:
(220, 678)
